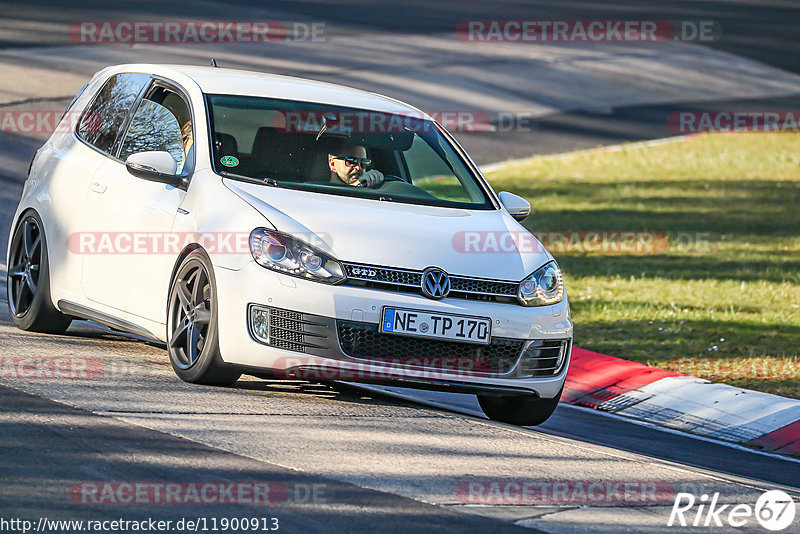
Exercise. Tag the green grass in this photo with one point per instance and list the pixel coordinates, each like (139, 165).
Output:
(722, 300)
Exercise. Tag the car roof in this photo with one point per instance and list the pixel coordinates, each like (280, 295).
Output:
(216, 80)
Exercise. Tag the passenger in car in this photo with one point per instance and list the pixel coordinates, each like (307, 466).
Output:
(187, 143)
(348, 164)
(186, 136)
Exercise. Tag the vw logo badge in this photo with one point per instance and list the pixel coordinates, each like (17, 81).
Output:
(435, 283)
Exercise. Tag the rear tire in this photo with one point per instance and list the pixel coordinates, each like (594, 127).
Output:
(192, 325)
(28, 280)
(520, 411)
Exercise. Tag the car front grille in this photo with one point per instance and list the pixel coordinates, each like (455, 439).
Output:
(383, 274)
(407, 280)
(364, 341)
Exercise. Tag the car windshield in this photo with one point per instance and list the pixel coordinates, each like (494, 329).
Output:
(316, 147)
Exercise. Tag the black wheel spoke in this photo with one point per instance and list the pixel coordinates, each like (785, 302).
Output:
(35, 246)
(184, 296)
(18, 296)
(27, 237)
(30, 283)
(177, 336)
(17, 270)
(198, 290)
(191, 347)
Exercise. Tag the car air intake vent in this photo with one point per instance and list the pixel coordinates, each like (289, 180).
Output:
(291, 330)
(286, 329)
(363, 341)
(543, 358)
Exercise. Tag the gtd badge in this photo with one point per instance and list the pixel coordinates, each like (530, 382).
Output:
(370, 273)
(435, 283)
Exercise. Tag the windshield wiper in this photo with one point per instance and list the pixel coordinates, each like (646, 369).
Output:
(261, 181)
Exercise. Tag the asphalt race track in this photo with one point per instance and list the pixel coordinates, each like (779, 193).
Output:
(344, 458)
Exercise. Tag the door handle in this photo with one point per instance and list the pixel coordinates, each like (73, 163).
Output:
(98, 187)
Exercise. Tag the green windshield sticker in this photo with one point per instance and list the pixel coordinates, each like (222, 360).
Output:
(229, 161)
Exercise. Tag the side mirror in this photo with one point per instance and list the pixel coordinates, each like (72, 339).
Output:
(518, 207)
(156, 166)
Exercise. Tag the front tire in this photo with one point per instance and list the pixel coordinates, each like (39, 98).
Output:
(28, 280)
(192, 325)
(520, 411)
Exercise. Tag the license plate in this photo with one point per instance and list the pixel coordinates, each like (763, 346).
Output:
(436, 325)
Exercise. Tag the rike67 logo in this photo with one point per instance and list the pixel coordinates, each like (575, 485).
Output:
(774, 511)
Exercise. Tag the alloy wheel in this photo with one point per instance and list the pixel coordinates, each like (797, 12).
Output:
(190, 314)
(25, 266)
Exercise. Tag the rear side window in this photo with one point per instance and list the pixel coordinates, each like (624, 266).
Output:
(103, 120)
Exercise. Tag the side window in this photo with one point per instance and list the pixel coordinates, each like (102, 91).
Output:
(100, 124)
(162, 121)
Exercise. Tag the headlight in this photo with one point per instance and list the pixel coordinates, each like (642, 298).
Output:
(285, 254)
(545, 286)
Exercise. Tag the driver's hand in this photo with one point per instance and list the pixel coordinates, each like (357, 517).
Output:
(372, 178)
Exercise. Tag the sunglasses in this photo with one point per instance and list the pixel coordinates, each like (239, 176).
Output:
(352, 162)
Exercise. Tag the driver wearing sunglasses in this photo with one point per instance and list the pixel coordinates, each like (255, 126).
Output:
(349, 166)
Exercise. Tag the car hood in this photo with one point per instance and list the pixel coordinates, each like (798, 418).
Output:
(480, 243)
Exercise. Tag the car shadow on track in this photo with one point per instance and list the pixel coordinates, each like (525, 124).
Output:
(87, 334)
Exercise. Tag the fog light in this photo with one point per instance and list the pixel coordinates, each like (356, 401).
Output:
(259, 323)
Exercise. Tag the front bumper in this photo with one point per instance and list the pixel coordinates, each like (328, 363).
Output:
(338, 338)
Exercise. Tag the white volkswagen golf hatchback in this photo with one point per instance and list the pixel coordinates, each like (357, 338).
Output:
(284, 227)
